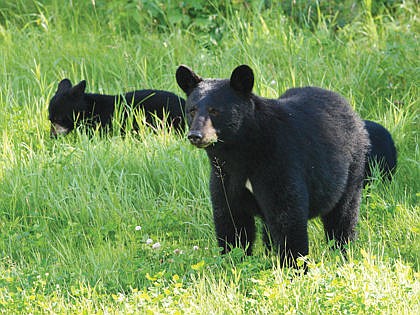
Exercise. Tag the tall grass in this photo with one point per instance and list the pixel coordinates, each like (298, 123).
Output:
(69, 207)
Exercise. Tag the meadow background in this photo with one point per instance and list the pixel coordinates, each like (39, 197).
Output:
(71, 209)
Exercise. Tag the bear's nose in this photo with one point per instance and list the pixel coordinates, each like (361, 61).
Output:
(195, 136)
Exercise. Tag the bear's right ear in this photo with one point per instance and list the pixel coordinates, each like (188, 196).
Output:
(187, 79)
(64, 84)
(79, 89)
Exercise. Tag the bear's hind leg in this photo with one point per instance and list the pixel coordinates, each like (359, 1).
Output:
(340, 223)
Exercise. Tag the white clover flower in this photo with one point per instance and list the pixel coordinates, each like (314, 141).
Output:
(138, 228)
(156, 245)
(120, 297)
(195, 247)
(149, 241)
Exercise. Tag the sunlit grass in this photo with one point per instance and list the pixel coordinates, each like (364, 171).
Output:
(69, 207)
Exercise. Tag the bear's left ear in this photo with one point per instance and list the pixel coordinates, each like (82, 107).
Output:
(242, 79)
(187, 79)
(79, 89)
(64, 85)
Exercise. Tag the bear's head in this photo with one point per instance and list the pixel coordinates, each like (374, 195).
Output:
(67, 107)
(216, 108)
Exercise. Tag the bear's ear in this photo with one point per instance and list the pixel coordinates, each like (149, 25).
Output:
(187, 79)
(79, 89)
(242, 79)
(64, 85)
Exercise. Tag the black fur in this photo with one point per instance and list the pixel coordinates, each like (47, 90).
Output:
(303, 154)
(382, 151)
(71, 106)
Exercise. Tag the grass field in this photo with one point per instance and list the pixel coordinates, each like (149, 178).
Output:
(106, 225)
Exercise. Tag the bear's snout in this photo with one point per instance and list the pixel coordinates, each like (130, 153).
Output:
(200, 139)
(57, 130)
(202, 133)
(195, 137)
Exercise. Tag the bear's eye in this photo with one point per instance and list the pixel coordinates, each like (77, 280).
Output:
(192, 111)
(213, 112)
(57, 120)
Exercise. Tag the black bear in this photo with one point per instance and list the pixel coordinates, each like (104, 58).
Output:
(71, 106)
(286, 160)
(382, 152)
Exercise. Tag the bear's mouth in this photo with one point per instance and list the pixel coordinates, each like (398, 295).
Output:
(203, 143)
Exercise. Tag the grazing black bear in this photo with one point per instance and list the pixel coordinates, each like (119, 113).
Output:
(71, 106)
(302, 156)
(382, 151)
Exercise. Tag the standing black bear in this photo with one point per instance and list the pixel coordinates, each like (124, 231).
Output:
(303, 156)
(382, 152)
(71, 106)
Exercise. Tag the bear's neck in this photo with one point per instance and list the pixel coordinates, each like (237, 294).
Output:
(101, 105)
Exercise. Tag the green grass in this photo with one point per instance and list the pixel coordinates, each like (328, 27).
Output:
(69, 207)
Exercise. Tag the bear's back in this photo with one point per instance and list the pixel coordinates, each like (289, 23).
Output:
(315, 100)
(318, 111)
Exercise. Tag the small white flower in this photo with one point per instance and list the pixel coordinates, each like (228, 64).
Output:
(138, 228)
(178, 251)
(156, 245)
(120, 297)
(195, 247)
(149, 241)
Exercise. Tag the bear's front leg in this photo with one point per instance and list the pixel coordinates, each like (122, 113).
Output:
(289, 237)
(285, 215)
(234, 207)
